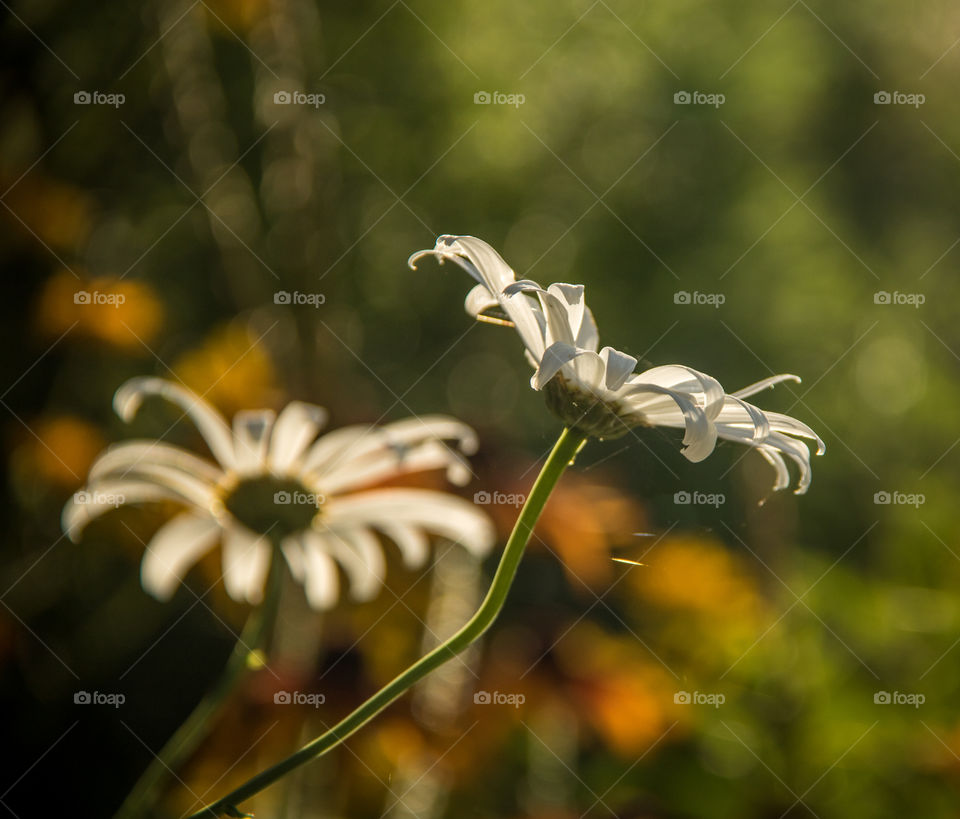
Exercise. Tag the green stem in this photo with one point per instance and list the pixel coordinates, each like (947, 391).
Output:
(560, 457)
(244, 657)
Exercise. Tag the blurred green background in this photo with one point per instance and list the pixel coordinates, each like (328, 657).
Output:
(821, 214)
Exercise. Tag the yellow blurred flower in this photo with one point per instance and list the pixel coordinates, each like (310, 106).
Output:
(231, 370)
(121, 312)
(61, 452)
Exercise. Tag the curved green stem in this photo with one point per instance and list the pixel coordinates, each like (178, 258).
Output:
(560, 457)
(191, 733)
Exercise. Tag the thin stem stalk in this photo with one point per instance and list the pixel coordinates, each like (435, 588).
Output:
(566, 447)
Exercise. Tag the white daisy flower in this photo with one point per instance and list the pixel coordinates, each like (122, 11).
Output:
(598, 392)
(275, 484)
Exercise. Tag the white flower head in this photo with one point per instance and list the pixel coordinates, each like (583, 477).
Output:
(596, 390)
(276, 485)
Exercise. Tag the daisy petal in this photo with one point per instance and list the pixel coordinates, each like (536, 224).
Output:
(445, 515)
(759, 386)
(361, 557)
(391, 462)
(554, 357)
(700, 436)
(176, 546)
(617, 366)
(411, 541)
(246, 558)
(106, 495)
(295, 429)
(125, 457)
(251, 436)
(784, 423)
(322, 584)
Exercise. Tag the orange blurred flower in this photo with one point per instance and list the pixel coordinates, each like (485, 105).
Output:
(583, 522)
(628, 700)
(122, 312)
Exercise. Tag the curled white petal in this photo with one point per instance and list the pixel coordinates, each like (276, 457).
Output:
(208, 421)
(617, 367)
(119, 459)
(765, 383)
(700, 434)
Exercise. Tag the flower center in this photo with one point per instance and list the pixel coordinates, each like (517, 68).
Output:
(272, 506)
(589, 413)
